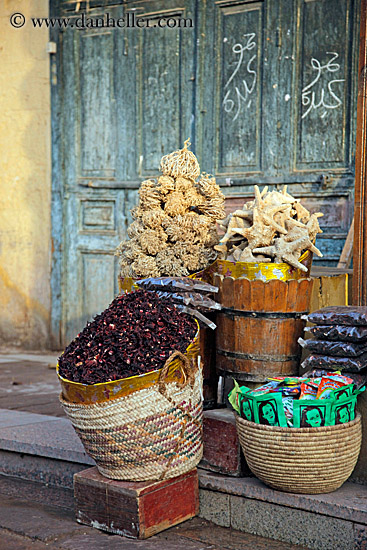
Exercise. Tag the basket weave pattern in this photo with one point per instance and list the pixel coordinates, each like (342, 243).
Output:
(301, 460)
(153, 433)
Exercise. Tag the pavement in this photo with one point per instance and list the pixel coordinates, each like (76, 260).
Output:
(38, 516)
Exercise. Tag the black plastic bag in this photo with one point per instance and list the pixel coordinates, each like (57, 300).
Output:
(338, 349)
(340, 315)
(349, 364)
(339, 332)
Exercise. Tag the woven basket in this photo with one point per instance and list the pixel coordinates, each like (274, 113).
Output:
(154, 433)
(301, 460)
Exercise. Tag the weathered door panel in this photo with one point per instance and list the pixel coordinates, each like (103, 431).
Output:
(126, 98)
(302, 130)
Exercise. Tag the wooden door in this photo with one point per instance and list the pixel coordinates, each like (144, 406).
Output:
(121, 99)
(282, 106)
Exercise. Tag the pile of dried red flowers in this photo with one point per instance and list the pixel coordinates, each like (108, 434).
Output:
(134, 335)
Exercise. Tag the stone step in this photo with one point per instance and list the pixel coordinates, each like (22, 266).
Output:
(46, 449)
(40, 448)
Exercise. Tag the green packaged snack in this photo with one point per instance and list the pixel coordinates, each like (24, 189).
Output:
(342, 393)
(235, 395)
(343, 410)
(247, 403)
(268, 409)
(312, 413)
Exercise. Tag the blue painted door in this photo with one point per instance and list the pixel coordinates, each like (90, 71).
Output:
(266, 90)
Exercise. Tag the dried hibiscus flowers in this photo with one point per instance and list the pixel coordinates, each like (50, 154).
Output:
(174, 228)
(134, 335)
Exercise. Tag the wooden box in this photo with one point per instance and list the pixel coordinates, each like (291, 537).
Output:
(134, 509)
(222, 449)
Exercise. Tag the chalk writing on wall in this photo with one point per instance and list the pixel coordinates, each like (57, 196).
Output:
(241, 83)
(322, 97)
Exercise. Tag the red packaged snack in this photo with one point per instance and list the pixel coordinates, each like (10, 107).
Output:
(308, 391)
(328, 384)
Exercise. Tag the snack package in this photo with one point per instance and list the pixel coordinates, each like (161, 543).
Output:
(329, 383)
(247, 407)
(308, 391)
(343, 410)
(311, 413)
(359, 380)
(337, 349)
(235, 395)
(288, 410)
(340, 315)
(266, 388)
(351, 364)
(174, 284)
(341, 333)
(268, 409)
(342, 392)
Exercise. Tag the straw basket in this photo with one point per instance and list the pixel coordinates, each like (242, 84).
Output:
(153, 433)
(301, 460)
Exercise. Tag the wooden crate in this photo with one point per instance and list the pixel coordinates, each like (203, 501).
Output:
(136, 510)
(222, 449)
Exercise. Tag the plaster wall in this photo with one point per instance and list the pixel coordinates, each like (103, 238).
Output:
(25, 178)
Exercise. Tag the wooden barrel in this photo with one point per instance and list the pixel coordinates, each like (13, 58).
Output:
(259, 325)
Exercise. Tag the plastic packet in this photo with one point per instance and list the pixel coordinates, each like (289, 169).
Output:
(359, 380)
(340, 333)
(172, 284)
(330, 383)
(190, 298)
(351, 364)
(247, 407)
(343, 410)
(288, 410)
(339, 315)
(342, 392)
(337, 349)
(308, 391)
(199, 316)
(268, 410)
(311, 413)
(266, 388)
(235, 395)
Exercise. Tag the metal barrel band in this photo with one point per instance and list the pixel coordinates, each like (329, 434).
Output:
(251, 357)
(263, 314)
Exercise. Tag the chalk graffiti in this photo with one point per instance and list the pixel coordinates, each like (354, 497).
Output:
(309, 93)
(239, 90)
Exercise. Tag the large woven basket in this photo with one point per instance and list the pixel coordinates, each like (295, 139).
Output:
(301, 460)
(153, 433)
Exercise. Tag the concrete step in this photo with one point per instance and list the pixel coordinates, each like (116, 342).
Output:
(40, 448)
(46, 449)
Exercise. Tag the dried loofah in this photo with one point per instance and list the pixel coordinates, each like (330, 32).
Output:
(166, 184)
(135, 229)
(153, 241)
(181, 163)
(149, 196)
(154, 219)
(175, 221)
(145, 266)
(168, 262)
(175, 204)
(193, 198)
(183, 185)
